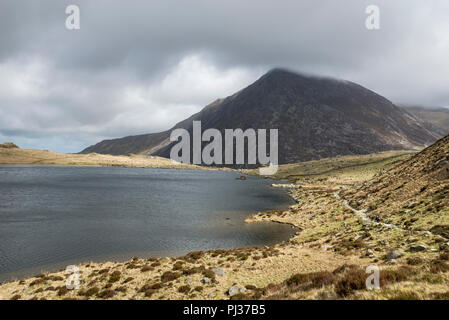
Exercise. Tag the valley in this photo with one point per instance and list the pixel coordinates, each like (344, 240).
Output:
(337, 200)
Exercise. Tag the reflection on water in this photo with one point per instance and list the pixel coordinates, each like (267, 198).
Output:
(51, 215)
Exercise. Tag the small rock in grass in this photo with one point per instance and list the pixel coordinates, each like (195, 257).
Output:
(369, 253)
(235, 290)
(218, 271)
(206, 280)
(395, 254)
(418, 247)
(392, 261)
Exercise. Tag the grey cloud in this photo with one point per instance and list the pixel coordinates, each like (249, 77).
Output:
(137, 67)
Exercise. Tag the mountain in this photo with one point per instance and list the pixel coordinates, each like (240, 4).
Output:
(436, 120)
(316, 117)
(129, 145)
(414, 194)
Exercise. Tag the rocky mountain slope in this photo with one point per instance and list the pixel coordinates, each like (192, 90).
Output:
(436, 120)
(412, 195)
(316, 118)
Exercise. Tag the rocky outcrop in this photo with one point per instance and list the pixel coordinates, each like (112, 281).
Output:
(8, 145)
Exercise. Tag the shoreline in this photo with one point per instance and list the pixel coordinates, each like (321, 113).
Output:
(27, 273)
(320, 248)
(266, 216)
(215, 270)
(30, 272)
(332, 244)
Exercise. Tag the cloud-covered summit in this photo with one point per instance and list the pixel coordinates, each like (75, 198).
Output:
(138, 67)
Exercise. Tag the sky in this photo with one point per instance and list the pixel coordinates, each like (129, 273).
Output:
(136, 67)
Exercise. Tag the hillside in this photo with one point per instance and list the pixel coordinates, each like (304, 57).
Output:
(325, 259)
(316, 117)
(435, 120)
(129, 145)
(339, 169)
(413, 194)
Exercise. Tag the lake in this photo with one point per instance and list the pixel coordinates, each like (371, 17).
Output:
(53, 216)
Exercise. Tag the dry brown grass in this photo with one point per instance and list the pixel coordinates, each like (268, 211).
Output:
(43, 157)
(326, 259)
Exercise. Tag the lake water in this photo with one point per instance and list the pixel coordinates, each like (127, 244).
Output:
(54, 216)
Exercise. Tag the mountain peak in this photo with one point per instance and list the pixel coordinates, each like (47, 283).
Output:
(280, 79)
(317, 117)
(276, 71)
(281, 72)
(283, 77)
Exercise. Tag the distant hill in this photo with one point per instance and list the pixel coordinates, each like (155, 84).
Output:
(8, 145)
(433, 119)
(316, 117)
(11, 154)
(129, 145)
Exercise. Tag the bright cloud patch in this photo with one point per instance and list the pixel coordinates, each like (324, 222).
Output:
(51, 102)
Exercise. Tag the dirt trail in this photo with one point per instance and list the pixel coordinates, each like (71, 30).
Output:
(361, 214)
(368, 221)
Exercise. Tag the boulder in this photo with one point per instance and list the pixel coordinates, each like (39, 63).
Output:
(395, 254)
(442, 230)
(218, 271)
(418, 247)
(235, 290)
(206, 280)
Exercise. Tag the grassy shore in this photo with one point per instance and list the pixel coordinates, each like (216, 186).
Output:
(325, 260)
(13, 155)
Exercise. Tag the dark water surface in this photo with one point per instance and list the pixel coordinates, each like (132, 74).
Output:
(53, 216)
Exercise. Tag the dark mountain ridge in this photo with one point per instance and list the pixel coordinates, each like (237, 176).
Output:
(316, 118)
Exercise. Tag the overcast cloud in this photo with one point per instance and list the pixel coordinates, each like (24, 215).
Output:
(141, 66)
